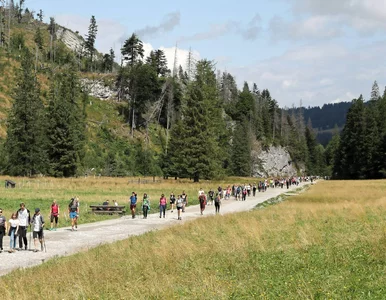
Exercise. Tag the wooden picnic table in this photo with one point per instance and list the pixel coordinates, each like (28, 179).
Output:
(108, 209)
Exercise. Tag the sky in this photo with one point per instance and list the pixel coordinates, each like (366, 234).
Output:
(304, 51)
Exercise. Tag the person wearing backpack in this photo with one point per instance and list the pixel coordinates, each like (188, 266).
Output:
(145, 205)
(3, 229)
(211, 197)
(202, 200)
(73, 209)
(37, 226)
(217, 203)
(54, 215)
(133, 204)
(185, 200)
(162, 206)
(172, 201)
(180, 205)
(24, 217)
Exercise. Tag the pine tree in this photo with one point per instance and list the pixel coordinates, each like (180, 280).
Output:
(66, 125)
(132, 50)
(375, 95)
(350, 162)
(90, 39)
(241, 150)
(196, 140)
(40, 15)
(25, 142)
(39, 39)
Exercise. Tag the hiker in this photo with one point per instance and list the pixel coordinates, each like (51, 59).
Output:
(180, 205)
(202, 200)
(200, 192)
(254, 190)
(3, 229)
(73, 209)
(145, 205)
(162, 206)
(133, 204)
(13, 230)
(217, 203)
(106, 203)
(211, 197)
(172, 201)
(185, 200)
(38, 225)
(244, 195)
(24, 218)
(54, 215)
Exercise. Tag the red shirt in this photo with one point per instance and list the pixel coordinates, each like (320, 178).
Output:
(162, 201)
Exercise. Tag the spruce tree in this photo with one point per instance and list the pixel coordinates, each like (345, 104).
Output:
(91, 38)
(66, 125)
(132, 50)
(25, 142)
(197, 152)
(241, 150)
(350, 161)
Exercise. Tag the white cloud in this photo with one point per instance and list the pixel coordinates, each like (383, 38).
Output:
(322, 73)
(112, 34)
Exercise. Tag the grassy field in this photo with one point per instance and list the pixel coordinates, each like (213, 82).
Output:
(40, 192)
(326, 243)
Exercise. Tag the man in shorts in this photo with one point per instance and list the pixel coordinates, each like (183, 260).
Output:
(37, 225)
(73, 209)
(133, 204)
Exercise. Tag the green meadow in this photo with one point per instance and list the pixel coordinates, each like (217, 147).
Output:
(325, 243)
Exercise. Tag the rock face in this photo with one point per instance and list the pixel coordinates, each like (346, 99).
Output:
(98, 89)
(276, 161)
(71, 39)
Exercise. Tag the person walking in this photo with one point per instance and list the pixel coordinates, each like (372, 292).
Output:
(24, 218)
(162, 206)
(133, 204)
(254, 190)
(145, 205)
(202, 200)
(38, 225)
(172, 201)
(211, 197)
(73, 209)
(3, 229)
(54, 215)
(217, 203)
(180, 205)
(185, 200)
(13, 230)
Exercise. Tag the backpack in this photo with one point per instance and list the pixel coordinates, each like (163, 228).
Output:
(179, 202)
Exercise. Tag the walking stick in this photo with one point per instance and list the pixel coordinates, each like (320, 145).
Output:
(44, 241)
(30, 236)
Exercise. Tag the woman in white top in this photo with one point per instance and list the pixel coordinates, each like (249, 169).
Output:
(12, 232)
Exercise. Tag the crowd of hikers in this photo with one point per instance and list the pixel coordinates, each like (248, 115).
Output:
(19, 222)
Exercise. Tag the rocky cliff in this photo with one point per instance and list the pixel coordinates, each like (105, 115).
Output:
(72, 40)
(275, 161)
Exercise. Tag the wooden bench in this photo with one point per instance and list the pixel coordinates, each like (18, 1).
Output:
(107, 209)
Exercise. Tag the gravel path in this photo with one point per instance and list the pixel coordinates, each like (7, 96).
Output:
(66, 242)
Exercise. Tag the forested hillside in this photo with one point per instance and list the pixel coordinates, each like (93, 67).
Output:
(194, 123)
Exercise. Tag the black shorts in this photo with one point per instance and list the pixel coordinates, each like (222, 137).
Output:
(132, 206)
(179, 207)
(172, 201)
(37, 234)
(54, 218)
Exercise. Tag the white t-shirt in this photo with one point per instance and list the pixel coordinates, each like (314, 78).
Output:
(23, 217)
(37, 223)
(200, 192)
(14, 222)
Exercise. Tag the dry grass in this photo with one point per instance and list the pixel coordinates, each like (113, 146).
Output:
(326, 243)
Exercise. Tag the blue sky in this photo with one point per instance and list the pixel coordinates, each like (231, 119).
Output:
(314, 51)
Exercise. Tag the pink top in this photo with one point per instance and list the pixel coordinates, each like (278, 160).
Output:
(162, 201)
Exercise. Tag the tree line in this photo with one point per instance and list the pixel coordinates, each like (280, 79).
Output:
(194, 123)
